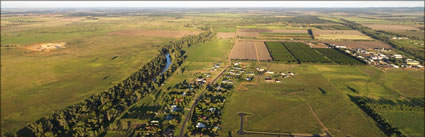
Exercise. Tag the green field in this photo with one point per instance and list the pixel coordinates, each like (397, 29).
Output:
(280, 53)
(411, 123)
(338, 57)
(269, 102)
(36, 83)
(103, 48)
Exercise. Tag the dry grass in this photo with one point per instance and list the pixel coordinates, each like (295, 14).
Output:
(389, 27)
(155, 33)
(336, 32)
(225, 35)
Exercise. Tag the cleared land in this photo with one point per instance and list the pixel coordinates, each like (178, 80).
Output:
(361, 44)
(250, 51)
(339, 35)
(272, 34)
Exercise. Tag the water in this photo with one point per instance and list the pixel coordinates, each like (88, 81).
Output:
(168, 63)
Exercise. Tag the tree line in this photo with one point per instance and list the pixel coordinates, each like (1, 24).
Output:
(372, 108)
(91, 116)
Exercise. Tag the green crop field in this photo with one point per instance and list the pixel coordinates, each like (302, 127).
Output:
(305, 54)
(338, 56)
(280, 53)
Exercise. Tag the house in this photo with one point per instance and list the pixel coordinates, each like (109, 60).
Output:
(268, 79)
(260, 69)
(249, 78)
(250, 73)
(200, 125)
(397, 56)
(394, 66)
(174, 108)
(212, 109)
(269, 72)
(290, 73)
(412, 62)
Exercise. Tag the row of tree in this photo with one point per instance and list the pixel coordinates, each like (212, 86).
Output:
(93, 115)
(373, 112)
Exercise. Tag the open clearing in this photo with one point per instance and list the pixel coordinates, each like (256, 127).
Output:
(250, 51)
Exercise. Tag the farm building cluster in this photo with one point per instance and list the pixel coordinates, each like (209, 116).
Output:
(380, 57)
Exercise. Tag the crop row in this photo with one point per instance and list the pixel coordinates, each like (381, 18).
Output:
(338, 56)
(305, 54)
(280, 53)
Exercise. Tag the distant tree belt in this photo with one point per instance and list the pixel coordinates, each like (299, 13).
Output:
(382, 123)
(92, 116)
(419, 54)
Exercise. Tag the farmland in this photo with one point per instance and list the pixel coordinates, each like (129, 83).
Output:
(361, 44)
(280, 53)
(338, 57)
(250, 51)
(99, 72)
(408, 30)
(305, 54)
(339, 35)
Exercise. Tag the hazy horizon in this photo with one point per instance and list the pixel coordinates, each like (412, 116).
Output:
(210, 4)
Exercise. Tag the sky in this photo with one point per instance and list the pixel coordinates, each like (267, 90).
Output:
(208, 4)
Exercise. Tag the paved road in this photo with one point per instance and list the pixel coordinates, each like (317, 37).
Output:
(189, 115)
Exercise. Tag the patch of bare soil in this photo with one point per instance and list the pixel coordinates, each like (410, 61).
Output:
(45, 47)
(242, 86)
